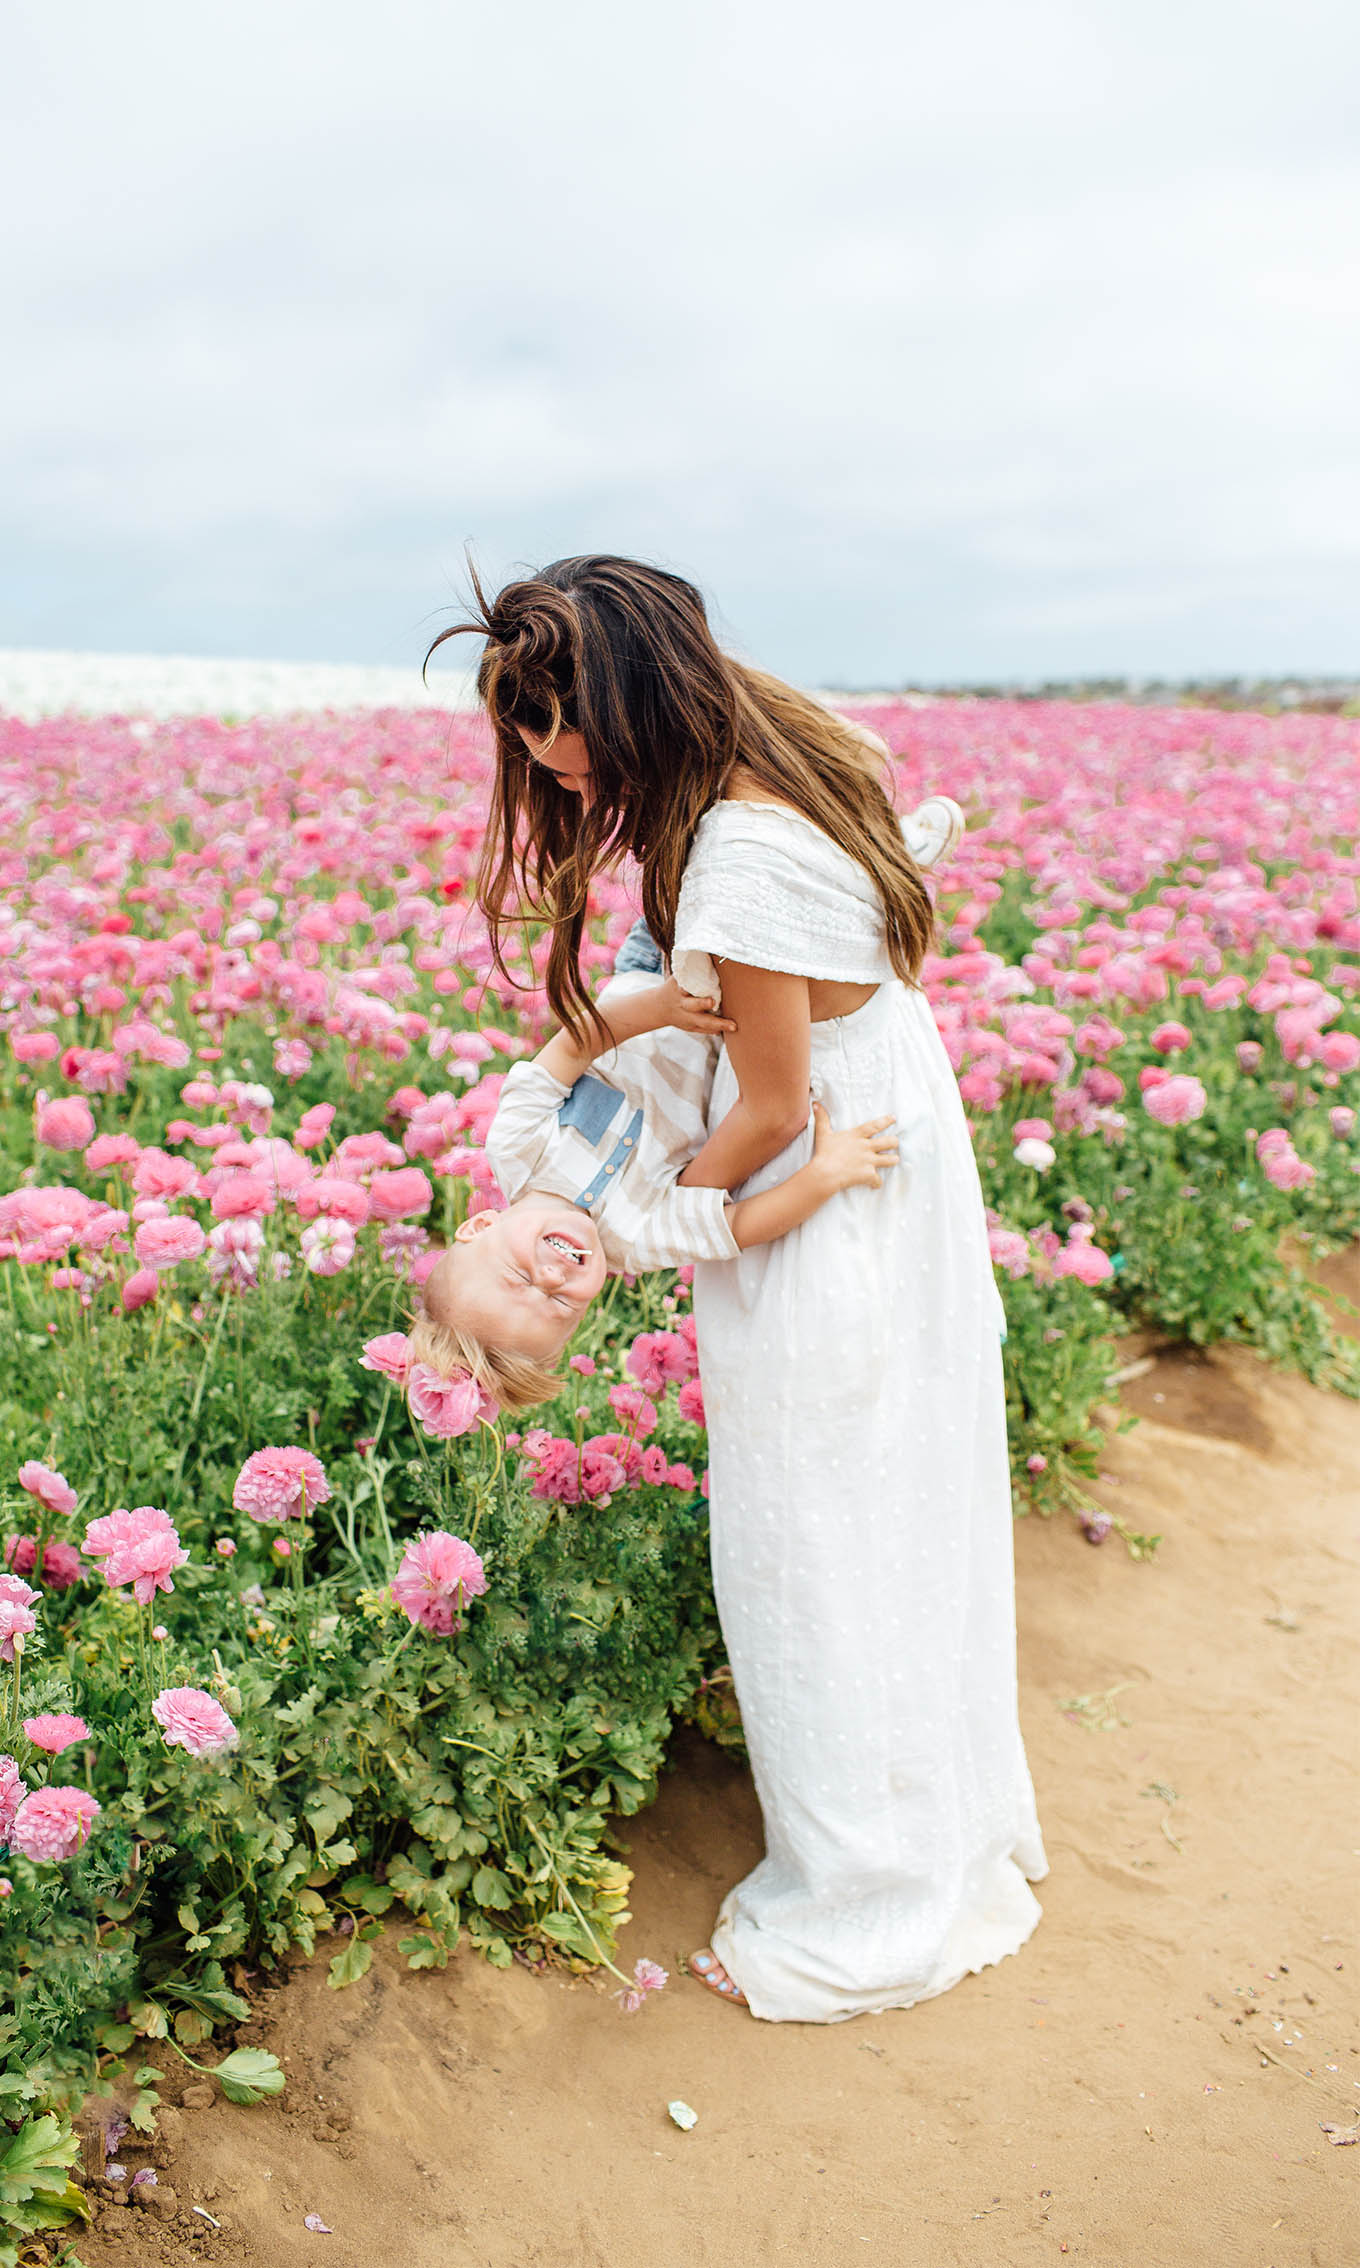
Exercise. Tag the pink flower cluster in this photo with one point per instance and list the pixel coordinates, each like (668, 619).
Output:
(280, 1484)
(140, 1547)
(437, 1573)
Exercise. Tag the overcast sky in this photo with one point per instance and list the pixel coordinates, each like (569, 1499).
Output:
(1010, 340)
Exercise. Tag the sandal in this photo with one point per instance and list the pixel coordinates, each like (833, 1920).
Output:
(709, 1970)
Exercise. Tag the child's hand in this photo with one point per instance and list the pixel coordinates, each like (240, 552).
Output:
(688, 1012)
(853, 1157)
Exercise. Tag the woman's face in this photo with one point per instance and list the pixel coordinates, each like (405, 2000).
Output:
(564, 757)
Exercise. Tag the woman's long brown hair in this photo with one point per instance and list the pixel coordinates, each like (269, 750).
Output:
(622, 653)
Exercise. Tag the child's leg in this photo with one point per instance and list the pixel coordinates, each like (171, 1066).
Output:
(639, 953)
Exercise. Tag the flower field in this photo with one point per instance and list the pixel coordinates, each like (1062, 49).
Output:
(289, 1639)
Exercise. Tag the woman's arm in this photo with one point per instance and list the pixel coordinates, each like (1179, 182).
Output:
(649, 1009)
(771, 1054)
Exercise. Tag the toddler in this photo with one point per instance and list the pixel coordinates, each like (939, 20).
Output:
(589, 1145)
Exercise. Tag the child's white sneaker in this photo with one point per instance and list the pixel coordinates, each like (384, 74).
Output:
(933, 829)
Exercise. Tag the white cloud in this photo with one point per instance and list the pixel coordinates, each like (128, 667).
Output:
(1013, 339)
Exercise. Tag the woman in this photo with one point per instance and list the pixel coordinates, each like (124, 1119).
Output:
(862, 1550)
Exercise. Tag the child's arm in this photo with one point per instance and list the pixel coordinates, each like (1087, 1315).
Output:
(853, 1157)
(646, 1010)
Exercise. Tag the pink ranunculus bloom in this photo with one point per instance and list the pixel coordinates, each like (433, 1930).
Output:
(633, 1408)
(648, 1977)
(13, 1789)
(140, 1547)
(602, 1469)
(1171, 1038)
(109, 1151)
(140, 1289)
(655, 1469)
(35, 1047)
(50, 1488)
(313, 1126)
(292, 1058)
(331, 1193)
(243, 1196)
(102, 1228)
(67, 1124)
(53, 1823)
(1177, 1100)
(584, 1365)
(192, 1719)
(1285, 1169)
(280, 1484)
(437, 1573)
(691, 1401)
(17, 1619)
(157, 1174)
(61, 1565)
(1341, 1119)
(1249, 1054)
(680, 1476)
(165, 1243)
(54, 1733)
(1084, 1260)
(389, 1355)
(328, 1245)
(1039, 1156)
(1036, 1462)
(656, 1358)
(1339, 1051)
(396, 1196)
(1032, 1130)
(447, 1407)
(1009, 1250)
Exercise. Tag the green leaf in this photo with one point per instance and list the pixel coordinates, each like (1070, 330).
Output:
(350, 1964)
(248, 2073)
(423, 1952)
(34, 2163)
(567, 1930)
(490, 1888)
(324, 1811)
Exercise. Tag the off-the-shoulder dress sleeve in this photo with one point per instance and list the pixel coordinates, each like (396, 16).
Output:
(765, 886)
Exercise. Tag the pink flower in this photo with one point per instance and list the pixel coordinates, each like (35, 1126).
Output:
(631, 1405)
(437, 1573)
(1032, 1130)
(54, 1733)
(395, 1196)
(243, 1196)
(447, 1407)
(1036, 1463)
(691, 1400)
(1009, 1250)
(34, 1047)
(655, 1469)
(61, 1561)
(389, 1355)
(1084, 1260)
(1339, 1051)
(327, 1245)
(648, 1976)
(139, 1547)
(165, 1243)
(157, 1174)
(280, 1484)
(17, 1619)
(657, 1357)
(192, 1719)
(53, 1823)
(1176, 1100)
(140, 1289)
(680, 1476)
(1249, 1054)
(313, 1126)
(602, 1469)
(331, 1193)
(50, 1488)
(583, 1364)
(65, 1125)
(225, 1548)
(1170, 1038)
(1341, 1119)
(13, 1789)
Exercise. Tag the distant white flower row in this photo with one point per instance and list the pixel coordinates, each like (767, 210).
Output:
(37, 684)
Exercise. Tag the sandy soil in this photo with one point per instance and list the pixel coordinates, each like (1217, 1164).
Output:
(1146, 2084)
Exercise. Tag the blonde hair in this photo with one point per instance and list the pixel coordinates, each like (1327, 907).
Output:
(515, 1382)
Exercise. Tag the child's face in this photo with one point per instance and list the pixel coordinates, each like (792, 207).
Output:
(526, 1276)
(565, 758)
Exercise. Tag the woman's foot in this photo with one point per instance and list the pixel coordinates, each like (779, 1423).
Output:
(709, 1970)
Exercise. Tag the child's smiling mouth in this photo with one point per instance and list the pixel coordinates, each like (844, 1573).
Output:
(556, 1242)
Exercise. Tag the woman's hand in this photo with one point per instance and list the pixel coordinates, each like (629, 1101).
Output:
(853, 1157)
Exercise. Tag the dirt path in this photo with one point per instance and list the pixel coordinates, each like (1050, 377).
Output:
(1143, 2086)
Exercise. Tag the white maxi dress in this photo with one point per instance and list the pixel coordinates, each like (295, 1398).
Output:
(860, 1487)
